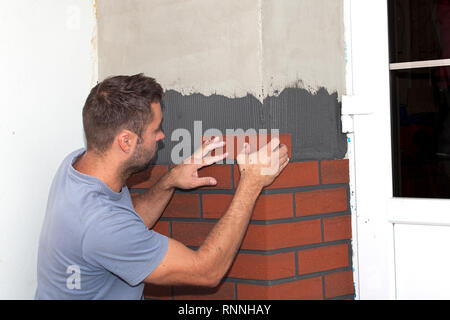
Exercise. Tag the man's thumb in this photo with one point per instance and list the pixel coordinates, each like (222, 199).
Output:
(206, 181)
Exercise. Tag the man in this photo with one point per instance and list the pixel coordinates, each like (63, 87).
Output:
(97, 242)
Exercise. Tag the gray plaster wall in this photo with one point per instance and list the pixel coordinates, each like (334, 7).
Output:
(303, 45)
(232, 48)
(194, 46)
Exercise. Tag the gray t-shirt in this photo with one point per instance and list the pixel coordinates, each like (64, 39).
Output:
(93, 244)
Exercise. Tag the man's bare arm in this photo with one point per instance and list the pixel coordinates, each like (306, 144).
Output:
(207, 265)
(151, 204)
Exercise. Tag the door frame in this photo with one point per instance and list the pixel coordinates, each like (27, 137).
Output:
(375, 211)
(366, 33)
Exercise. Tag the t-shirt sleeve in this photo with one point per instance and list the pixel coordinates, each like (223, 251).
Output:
(124, 246)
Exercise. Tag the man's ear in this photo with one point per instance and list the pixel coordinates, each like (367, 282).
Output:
(126, 140)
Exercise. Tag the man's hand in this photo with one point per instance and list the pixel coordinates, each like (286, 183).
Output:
(263, 166)
(185, 175)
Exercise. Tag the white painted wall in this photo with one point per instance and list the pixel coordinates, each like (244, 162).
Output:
(46, 73)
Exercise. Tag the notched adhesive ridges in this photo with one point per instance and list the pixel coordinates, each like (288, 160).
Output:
(313, 120)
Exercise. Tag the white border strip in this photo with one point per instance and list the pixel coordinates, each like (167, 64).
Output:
(420, 64)
(351, 145)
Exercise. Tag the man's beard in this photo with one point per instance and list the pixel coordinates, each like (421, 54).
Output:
(139, 161)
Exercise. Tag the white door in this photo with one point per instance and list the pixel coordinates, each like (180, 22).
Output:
(401, 202)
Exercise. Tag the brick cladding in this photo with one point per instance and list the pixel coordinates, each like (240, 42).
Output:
(298, 243)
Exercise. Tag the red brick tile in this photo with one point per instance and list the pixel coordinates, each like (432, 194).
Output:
(222, 174)
(191, 233)
(296, 174)
(183, 206)
(322, 258)
(284, 235)
(320, 201)
(147, 178)
(273, 206)
(334, 171)
(306, 289)
(162, 227)
(337, 228)
(263, 267)
(339, 284)
(215, 205)
(267, 207)
(257, 237)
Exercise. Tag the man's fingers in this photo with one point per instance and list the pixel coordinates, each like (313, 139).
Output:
(212, 146)
(243, 155)
(274, 143)
(210, 160)
(205, 181)
(268, 152)
(271, 145)
(280, 154)
(283, 158)
(245, 149)
(204, 150)
(283, 164)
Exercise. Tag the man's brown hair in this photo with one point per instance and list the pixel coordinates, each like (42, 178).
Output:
(117, 103)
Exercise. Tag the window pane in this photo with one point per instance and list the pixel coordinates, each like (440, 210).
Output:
(419, 30)
(421, 132)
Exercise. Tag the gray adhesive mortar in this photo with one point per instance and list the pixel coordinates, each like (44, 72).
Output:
(312, 119)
